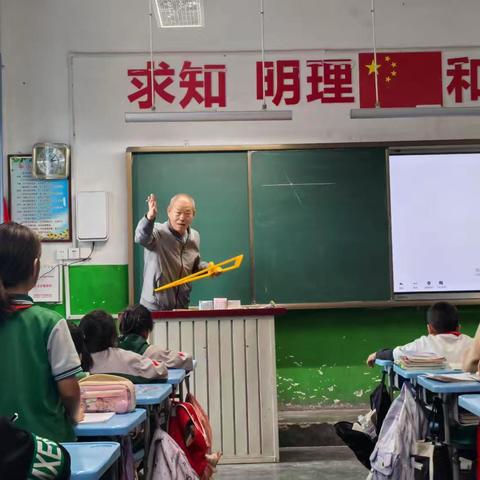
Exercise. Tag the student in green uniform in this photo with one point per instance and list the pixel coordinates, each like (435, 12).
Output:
(38, 361)
(136, 324)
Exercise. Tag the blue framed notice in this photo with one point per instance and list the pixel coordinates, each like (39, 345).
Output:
(42, 205)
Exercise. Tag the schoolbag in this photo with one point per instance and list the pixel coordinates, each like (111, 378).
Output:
(24, 455)
(360, 443)
(380, 401)
(186, 429)
(202, 418)
(166, 460)
(107, 393)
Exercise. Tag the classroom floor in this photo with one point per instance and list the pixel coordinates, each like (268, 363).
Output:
(324, 463)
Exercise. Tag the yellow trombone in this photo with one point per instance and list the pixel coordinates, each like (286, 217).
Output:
(212, 269)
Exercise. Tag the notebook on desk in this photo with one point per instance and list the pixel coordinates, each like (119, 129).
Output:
(454, 377)
(97, 417)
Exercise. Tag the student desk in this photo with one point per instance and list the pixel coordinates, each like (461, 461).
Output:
(119, 425)
(176, 376)
(385, 364)
(235, 378)
(412, 375)
(470, 403)
(387, 367)
(448, 393)
(90, 460)
(152, 393)
(150, 396)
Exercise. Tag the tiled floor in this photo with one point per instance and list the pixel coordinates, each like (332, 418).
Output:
(324, 463)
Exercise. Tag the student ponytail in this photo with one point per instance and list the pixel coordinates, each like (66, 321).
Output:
(87, 361)
(136, 319)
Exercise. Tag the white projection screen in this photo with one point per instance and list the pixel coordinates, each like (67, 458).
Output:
(435, 224)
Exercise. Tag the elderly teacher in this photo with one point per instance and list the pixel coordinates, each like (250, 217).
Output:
(172, 251)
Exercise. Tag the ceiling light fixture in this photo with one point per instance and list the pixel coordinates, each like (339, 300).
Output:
(179, 13)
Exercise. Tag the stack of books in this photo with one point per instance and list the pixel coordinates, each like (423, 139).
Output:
(421, 361)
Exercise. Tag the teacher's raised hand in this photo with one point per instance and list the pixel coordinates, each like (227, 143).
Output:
(152, 207)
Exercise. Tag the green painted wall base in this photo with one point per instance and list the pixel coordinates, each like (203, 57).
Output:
(321, 353)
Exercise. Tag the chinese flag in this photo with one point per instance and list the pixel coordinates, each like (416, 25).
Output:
(405, 79)
(6, 213)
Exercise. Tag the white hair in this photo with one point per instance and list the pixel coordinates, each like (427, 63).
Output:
(178, 196)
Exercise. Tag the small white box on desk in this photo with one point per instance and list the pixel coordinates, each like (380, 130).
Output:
(233, 304)
(205, 305)
(220, 303)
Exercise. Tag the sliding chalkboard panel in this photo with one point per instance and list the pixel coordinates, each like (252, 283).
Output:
(320, 225)
(218, 182)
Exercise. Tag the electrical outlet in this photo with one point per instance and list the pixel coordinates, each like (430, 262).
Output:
(61, 254)
(73, 253)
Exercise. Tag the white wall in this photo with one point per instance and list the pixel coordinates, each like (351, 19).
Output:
(40, 37)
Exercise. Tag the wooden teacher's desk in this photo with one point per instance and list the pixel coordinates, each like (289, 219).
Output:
(235, 377)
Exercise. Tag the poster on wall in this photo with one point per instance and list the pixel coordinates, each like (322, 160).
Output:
(42, 205)
(47, 288)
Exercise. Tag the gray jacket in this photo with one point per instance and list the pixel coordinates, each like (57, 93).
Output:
(404, 425)
(167, 257)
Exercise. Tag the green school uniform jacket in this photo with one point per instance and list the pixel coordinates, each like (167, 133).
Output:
(171, 358)
(134, 343)
(36, 351)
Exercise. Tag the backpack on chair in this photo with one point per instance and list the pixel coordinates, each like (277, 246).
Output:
(380, 401)
(190, 427)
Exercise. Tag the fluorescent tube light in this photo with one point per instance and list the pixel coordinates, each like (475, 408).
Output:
(222, 116)
(357, 113)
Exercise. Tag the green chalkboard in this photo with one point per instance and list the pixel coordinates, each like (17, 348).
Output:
(320, 225)
(218, 182)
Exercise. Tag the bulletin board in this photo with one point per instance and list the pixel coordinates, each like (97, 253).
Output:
(42, 205)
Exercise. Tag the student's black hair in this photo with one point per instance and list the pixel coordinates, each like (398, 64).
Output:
(443, 317)
(19, 247)
(78, 340)
(136, 319)
(99, 333)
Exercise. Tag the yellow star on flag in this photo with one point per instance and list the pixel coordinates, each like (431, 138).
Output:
(387, 58)
(394, 73)
(387, 79)
(394, 64)
(372, 68)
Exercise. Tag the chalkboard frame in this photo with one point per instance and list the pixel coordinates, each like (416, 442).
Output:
(248, 149)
